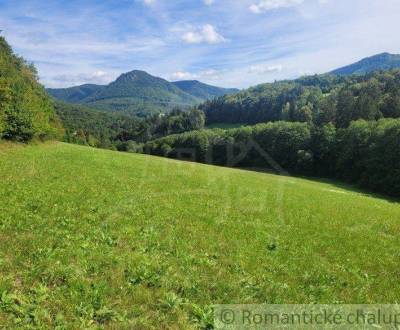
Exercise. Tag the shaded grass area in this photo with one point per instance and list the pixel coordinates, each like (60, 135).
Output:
(99, 239)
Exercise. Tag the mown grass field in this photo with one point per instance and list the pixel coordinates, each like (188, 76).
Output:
(99, 239)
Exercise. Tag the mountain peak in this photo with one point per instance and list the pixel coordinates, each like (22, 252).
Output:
(384, 54)
(134, 75)
(382, 61)
(137, 92)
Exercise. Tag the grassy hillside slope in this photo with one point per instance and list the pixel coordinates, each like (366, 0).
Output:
(95, 238)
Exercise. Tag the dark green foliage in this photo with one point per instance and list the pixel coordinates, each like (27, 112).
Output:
(296, 100)
(26, 112)
(319, 99)
(327, 111)
(365, 153)
(323, 143)
(353, 145)
(384, 61)
(110, 130)
(86, 126)
(369, 153)
(260, 146)
(345, 108)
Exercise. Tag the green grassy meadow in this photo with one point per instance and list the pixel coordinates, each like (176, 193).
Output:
(99, 239)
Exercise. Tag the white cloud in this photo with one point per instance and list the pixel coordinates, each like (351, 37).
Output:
(181, 75)
(99, 74)
(62, 41)
(208, 75)
(266, 5)
(204, 34)
(208, 2)
(263, 69)
(149, 2)
(96, 77)
(192, 37)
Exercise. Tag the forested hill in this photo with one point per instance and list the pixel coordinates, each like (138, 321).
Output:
(105, 129)
(139, 93)
(384, 61)
(319, 99)
(26, 112)
(77, 94)
(203, 91)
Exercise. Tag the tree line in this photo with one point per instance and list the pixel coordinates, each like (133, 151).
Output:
(318, 99)
(110, 130)
(26, 111)
(365, 153)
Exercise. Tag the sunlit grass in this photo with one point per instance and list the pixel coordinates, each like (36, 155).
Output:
(95, 238)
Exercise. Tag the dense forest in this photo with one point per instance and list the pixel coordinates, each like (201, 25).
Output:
(26, 111)
(111, 130)
(366, 153)
(318, 99)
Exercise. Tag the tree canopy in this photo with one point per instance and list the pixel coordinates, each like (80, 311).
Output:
(26, 112)
(319, 99)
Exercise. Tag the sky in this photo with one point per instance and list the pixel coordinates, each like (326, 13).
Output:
(229, 43)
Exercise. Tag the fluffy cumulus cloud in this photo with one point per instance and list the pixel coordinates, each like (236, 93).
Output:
(267, 5)
(204, 34)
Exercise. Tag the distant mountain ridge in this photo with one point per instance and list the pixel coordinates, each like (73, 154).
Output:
(137, 92)
(384, 61)
(203, 91)
(75, 94)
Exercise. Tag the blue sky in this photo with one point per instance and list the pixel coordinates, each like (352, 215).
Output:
(231, 43)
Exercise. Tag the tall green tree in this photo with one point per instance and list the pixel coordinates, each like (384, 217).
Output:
(345, 108)
(26, 111)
